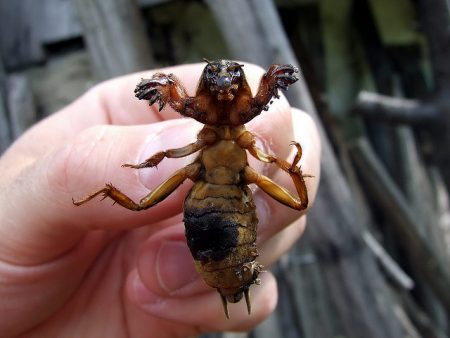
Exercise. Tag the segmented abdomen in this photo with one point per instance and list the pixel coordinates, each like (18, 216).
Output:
(221, 225)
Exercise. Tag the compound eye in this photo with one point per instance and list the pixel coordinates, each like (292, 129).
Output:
(211, 70)
(235, 70)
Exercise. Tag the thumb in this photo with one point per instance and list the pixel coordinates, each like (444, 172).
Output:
(46, 223)
(165, 284)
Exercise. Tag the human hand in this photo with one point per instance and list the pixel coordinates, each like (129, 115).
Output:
(102, 270)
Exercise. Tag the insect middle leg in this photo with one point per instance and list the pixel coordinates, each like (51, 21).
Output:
(247, 141)
(191, 171)
(205, 137)
(276, 191)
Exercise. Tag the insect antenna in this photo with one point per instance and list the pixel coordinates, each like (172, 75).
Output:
(225, 305)
(207, 61)
(247, 300)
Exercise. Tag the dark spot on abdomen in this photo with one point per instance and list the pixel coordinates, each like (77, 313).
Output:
(210, 236)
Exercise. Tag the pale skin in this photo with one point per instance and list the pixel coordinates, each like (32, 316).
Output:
(102, 270)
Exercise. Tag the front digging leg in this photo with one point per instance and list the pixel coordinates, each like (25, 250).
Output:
(164, 89)
(276, 77)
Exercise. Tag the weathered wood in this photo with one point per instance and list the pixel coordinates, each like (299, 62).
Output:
(286, 310)
(393, 270)
(307, 287)
(5, 135)
(63, 79)
(29, 31)
(434, 15)
(404, 222)
(442, 204)
(421, 319)
(27, 24)
(394, 109)
(435, 19)
(352, 274)
(115, 36)
(21, 107)
(339, 55)
(418, 191)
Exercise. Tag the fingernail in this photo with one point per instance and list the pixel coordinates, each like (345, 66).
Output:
(177, 134)
(174, 266)
(142, 294)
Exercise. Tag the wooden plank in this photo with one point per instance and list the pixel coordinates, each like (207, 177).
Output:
(20, 102)
(404, 221)
(393, 270)
(395, 21)
(5, 135)
(115, 35)
(340, 71)
(32, 24)
(27, 24)
(308, 288)
(62, 80)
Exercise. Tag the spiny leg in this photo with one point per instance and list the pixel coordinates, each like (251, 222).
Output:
(277, 192)
(154, 160)
(247, 141)
(157, 195)
(167, 89)
(110, 191)
(205, 137)
(276, 77)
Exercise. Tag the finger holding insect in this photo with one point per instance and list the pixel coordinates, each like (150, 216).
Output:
(79, 168)
(156, 89)
(274, 217)
(173, 290)
(166, 284)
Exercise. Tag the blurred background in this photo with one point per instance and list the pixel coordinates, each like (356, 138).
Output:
(374, 262)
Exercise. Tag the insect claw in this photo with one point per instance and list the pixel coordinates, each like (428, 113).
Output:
(161, 105)
(225, 305)
(247, 300)
(152, 100)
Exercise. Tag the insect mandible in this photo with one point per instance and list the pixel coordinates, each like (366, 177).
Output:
(219, 212)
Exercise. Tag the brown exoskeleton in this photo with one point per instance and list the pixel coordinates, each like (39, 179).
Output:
(219, 212)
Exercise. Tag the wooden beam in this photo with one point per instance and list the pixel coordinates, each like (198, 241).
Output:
(5, 135)
(403, 220)
(394, 109)
(115, 36)
(21, 107)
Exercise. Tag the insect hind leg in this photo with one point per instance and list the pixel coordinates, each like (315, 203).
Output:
(115, 194)
(154, 197)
